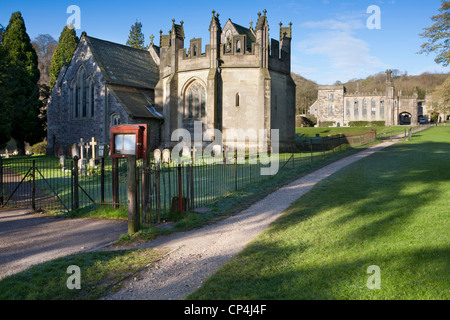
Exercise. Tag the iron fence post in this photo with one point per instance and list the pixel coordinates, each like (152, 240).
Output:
(33, 187)
(102, 180)
(76, 199)
(1, 181)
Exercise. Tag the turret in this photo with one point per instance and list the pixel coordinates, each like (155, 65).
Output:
(262, 38)
(214, 39)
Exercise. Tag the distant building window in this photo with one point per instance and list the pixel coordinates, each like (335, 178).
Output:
(331, 96)
(364, 112)
(237, 100)
(374, 108)
(330, 110)
(347, 108)
(382, 108)
(356, 108)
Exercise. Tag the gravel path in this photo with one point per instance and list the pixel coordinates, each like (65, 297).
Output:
(28, 238)
(197, 254)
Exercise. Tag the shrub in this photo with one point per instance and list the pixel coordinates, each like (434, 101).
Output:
(39, 148)
(378, 124)
(359, 123)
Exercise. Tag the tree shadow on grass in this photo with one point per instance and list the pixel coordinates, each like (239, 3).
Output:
(377, 211)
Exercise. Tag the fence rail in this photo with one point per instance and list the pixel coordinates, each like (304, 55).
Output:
(51, 183)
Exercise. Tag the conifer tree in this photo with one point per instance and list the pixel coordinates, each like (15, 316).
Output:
(19, 81)
(67, 44)
(136, 38)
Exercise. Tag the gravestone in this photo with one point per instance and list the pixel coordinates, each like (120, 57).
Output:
(157, 155)
(82, 163)
(62, 162)
(75, 150)
(166, 156)
(93, 160)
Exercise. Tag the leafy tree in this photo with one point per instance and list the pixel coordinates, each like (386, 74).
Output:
(136, 38)
(438, 35)
(67, 44)
(20, 90)
(440, 99)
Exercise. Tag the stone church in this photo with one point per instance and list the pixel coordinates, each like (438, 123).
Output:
(336, 107)
(240, 81)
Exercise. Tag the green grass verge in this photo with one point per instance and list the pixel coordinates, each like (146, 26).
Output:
(390, 210)
(323, 132)
(100, 273)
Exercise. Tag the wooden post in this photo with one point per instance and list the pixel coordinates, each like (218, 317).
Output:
(133, 213)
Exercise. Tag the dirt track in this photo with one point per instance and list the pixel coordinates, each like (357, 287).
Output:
(28, 238)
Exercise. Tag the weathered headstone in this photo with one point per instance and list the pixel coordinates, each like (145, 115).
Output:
(166, 156)
(157, 155)
(82, 162)
(75, 150)
(62, 162)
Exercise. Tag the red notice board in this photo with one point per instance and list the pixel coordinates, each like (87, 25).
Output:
(129, 140)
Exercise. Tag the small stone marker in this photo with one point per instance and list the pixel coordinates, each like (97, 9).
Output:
(157, 155)
(166, 156)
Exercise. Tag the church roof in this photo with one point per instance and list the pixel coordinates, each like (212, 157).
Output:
(245, 31)
(137, 102)
(124, 65)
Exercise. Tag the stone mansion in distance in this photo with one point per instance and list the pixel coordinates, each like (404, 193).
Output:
(241, 81)
(336, 107)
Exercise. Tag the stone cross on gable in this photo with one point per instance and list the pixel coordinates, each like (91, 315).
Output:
(93, 143)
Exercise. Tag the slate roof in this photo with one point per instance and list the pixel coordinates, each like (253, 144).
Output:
(136, 102)
(131, 75)
(124, 65)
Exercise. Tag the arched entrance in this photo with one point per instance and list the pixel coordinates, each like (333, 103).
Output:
(404, 119)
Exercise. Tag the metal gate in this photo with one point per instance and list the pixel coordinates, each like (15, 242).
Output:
(35, 183)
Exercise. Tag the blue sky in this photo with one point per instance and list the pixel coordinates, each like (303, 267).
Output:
(331, 40)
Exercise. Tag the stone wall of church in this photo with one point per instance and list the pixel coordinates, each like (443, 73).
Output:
(62, 127)
(283, 107)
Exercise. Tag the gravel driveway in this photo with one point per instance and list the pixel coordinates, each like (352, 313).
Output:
(198, 254)
(28, 238)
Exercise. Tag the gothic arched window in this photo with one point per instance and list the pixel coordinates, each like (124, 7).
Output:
(114, 119)
(195, 102)
(91, 98)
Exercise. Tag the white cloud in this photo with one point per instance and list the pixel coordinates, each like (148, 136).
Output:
(348, 56)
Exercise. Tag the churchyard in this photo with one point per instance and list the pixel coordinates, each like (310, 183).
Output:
(49, 182)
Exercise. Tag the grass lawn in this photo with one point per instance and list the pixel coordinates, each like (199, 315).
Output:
(390, 210)
(323, 132)
(99, 273)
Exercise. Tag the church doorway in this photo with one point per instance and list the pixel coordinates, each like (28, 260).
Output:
(404, 119)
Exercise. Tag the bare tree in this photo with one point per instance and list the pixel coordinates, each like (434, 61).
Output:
(45, 46)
